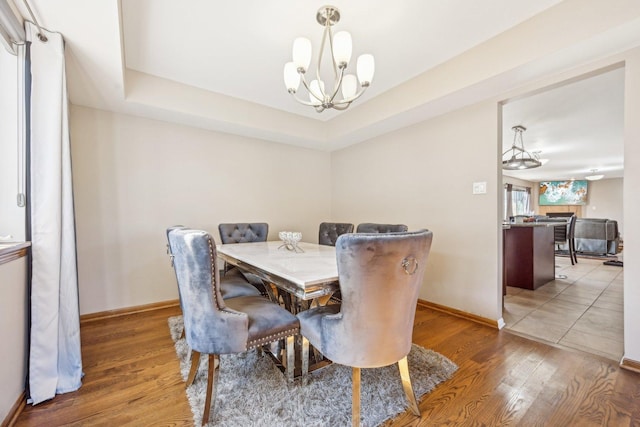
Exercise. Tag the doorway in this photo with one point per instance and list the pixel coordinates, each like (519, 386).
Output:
(576, 130)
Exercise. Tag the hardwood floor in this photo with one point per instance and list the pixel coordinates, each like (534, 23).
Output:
(132, 378)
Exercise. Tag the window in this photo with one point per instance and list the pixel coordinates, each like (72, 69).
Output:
(517, 200)
(12, 216)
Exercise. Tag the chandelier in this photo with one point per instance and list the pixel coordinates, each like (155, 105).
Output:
(320, 97)
(517, 158)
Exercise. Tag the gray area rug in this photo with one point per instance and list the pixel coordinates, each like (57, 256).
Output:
(251, 391)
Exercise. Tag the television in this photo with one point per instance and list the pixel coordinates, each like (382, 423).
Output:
(556, 193)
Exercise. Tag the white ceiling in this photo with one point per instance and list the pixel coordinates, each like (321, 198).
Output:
(577, 127)
(239, 48)
(218, 65)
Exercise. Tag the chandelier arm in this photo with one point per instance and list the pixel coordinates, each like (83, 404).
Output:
(306, 85)
(327, 29)
(337, 83)
(333, 61)
(341, 107)
(303, 102)
(353, 98)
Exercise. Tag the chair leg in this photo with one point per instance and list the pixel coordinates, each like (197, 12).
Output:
(195, 362)
(214, 362)
(291, 359)
(355, 397)
(403, 366)
(305, 359)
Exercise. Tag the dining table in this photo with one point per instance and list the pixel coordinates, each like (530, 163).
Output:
(303, 273)
(306, 271)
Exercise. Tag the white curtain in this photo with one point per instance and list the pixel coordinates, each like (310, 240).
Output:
(55, 364)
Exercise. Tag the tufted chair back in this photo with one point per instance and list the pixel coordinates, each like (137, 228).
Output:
(246, 233)
(330, 231)
(243, 232)
(369, 227)
(202, 305)
(380, 277)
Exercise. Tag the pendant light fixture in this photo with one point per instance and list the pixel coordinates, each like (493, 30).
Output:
(322, 96)
(594, 176)
(516, 157)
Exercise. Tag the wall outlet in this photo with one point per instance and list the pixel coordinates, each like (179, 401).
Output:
(480, 187)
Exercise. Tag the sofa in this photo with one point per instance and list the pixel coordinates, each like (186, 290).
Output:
(597, 236)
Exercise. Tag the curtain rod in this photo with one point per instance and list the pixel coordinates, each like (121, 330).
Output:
(41, 35)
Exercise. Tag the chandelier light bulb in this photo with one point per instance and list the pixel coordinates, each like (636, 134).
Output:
(291, 77)
(342, 47)
(349, 86)
(302, 53)
(365, 68)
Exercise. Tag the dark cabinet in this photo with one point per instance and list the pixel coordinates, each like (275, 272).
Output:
(529, 260)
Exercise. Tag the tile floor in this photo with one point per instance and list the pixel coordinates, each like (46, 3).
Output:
(581, 309)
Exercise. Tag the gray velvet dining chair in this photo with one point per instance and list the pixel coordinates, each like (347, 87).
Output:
(379, 276)
(216, 326)
(231, 286)
(328, 232)
(370, 227)
(243, 232)
(246, 232)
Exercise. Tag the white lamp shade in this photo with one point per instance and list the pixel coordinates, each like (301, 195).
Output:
(291, 76)
(365, 69)
(317, 88)
(342, 48)
(302, 53)
(349, 86)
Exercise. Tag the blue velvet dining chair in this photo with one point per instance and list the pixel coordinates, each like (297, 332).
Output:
(216, 326)
(379, 275)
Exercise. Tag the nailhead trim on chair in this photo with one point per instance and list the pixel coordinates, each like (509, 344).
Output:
(271, 338)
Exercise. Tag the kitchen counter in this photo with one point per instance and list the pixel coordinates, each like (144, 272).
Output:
(532, 224)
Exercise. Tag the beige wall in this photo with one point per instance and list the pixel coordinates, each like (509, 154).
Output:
(423, 176)
(631, 208)
(605, 201)
(133, 177)
(13, 334)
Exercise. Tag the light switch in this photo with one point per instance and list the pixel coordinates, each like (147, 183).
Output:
(480, 188)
